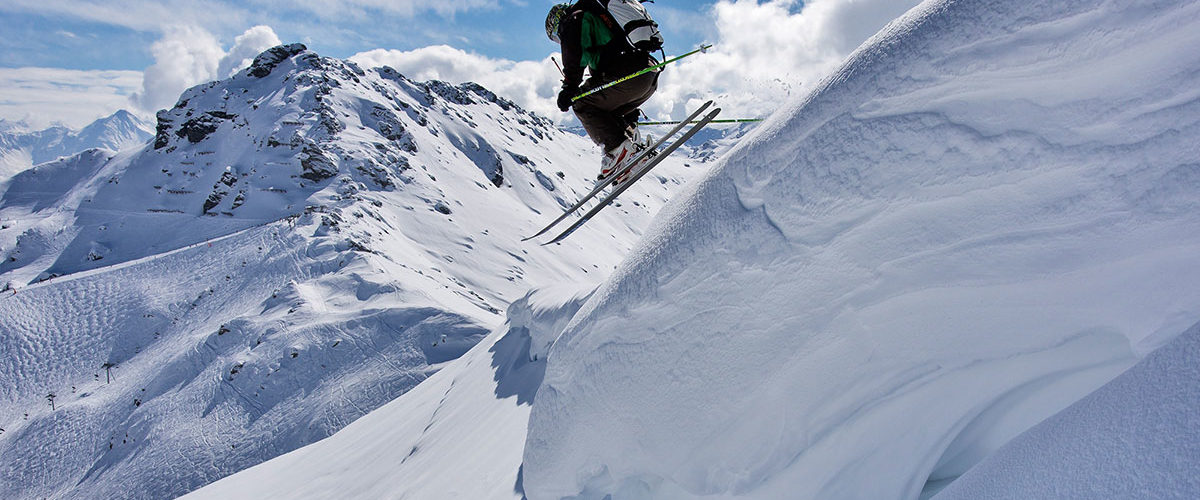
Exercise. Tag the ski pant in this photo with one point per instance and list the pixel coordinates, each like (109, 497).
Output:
(608, 116)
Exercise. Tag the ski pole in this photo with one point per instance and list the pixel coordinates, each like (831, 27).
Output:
(731, 120)
(703, 48)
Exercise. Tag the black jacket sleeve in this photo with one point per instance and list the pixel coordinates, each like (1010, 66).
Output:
(569, 33)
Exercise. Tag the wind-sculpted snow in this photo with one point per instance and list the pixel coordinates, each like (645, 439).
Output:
(299, 244)
(1136, 437)
(979, 219)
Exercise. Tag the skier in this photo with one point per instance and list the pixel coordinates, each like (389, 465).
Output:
(591, 39)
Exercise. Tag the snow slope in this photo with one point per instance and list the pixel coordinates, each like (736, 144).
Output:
(1136, 437)
(979, 219)
(21, 149)
(457, 435)
(300, 244)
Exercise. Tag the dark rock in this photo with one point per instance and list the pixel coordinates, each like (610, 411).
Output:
(196, 129)
(219, 193)
(522, 159)
(228, 179)
(390, 73)
(449, 92)
(239, 200)
(162, 135)
(497, 177)
(268, 60)
(213, 200)
(315, 164)
(221, 115)
(488, 95)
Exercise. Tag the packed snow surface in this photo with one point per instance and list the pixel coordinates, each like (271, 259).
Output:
(1136, 437)
(987, 213)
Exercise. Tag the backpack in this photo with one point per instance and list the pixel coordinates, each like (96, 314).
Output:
(629, 17)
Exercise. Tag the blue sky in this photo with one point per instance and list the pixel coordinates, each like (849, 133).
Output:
(509, 30)
(72, 61)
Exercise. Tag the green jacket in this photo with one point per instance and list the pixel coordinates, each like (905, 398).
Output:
(587, 42)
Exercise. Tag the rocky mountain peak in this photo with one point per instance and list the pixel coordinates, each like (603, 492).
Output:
(299, 133)
(265, 62)
(294, 120)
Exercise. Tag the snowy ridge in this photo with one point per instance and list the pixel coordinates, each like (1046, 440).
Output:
(299, 245)
(21, 148)
(955, 236)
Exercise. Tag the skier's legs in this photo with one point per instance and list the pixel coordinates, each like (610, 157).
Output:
(629, 112)
(604, 115)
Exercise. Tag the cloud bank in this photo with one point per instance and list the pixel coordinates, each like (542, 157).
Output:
(152, 15)
(765, 51)
(185, 56)
(41, 97)
(188, 55)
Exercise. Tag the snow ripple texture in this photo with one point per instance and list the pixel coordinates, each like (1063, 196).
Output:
(989, 211)
(1136, 437)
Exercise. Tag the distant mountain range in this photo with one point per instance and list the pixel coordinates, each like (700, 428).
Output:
(21, 148)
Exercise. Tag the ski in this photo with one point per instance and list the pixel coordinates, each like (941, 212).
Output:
(606, 182)
(637, 175)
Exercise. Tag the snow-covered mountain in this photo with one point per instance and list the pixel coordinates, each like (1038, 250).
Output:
(21, 148)
(990, 211)
(298, 245)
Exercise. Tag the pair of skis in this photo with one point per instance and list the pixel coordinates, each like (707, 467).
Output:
(658, 157)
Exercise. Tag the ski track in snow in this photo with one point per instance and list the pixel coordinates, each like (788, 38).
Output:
(135, 262)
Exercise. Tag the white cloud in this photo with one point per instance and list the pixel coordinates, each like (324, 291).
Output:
(246, 47)
(217, 15)
(765, 51)
(41, 96)
(139, 15)
(184, 57)
(187, 55)
(407, 8)
(531, 84)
